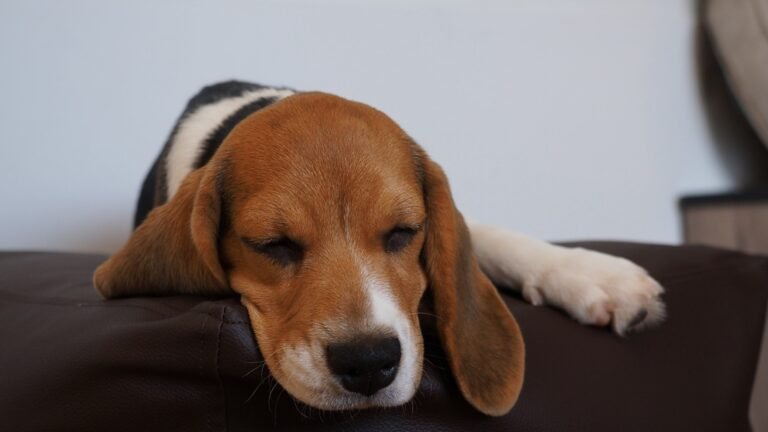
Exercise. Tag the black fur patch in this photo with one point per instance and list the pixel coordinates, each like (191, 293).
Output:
(216, 92)
(153, 191)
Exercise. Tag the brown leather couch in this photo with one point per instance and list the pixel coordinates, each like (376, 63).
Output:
(70, 361)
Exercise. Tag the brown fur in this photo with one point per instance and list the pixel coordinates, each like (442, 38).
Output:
(483, 341)
(336, 176)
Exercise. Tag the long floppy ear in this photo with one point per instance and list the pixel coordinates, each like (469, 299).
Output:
(175, 250)
(481, 338)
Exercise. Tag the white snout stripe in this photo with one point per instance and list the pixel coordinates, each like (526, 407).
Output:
(386, 313)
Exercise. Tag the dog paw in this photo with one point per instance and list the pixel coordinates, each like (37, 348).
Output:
(599, 289)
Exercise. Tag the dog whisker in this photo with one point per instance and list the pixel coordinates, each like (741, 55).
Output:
(261, 366)
(266, 377)
(269, 397)
(300, 410)
(277, 402)
(256, 389)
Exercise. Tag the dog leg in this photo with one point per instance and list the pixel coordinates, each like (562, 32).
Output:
(593, 287)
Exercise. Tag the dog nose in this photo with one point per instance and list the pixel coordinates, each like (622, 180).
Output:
(364, 366)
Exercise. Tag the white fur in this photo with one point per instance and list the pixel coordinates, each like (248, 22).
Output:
(197, 126)
(593, 287)
(300, 362)
(386, 313)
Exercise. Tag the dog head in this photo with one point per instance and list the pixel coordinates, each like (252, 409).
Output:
(330, 222)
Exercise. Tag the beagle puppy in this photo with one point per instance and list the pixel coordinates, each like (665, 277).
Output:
(330, 222)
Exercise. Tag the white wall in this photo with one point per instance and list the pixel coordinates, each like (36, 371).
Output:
(564, 119)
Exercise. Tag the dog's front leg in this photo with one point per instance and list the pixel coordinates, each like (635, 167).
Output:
(593, 287)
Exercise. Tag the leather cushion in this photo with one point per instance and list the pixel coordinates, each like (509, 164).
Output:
(70, 361)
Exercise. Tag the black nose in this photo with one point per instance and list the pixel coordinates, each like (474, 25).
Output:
(366, 365)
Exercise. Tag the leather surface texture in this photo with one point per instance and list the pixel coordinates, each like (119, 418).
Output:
(70, 361)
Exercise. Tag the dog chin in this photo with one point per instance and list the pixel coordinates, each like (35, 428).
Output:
(333, 398)
(350, 401)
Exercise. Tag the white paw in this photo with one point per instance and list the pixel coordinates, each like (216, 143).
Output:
(598, 289)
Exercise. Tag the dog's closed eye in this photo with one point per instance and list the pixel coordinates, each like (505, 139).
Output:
(398, 238)
(282, 250)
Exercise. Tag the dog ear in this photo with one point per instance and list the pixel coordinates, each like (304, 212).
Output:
(479, 335)
(175, 249)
